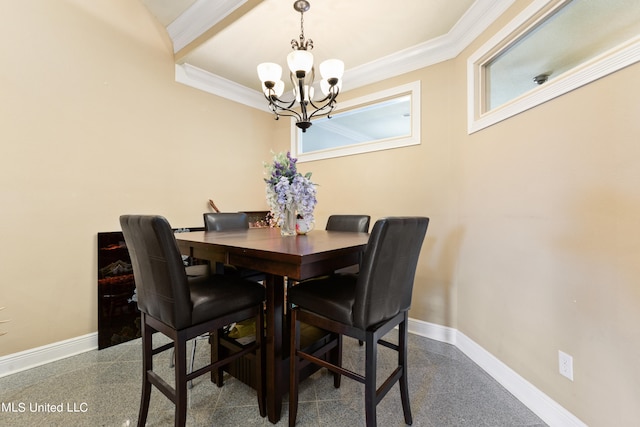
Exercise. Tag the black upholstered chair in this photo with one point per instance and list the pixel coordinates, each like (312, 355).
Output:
(365, 307)
(225, 221)
(358, 223)
(229, 221)
(181, 309)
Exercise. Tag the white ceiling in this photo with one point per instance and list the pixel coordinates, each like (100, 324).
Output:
(219, 43)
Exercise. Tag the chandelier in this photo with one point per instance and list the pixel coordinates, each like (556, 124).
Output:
(302, 75)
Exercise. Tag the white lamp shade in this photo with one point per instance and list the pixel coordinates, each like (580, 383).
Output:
(300, 60)
(325, 86)
(269, 72)
(332, 68)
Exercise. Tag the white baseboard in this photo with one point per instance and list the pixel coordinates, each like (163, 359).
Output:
(31, 358)
(432, 331)
(539, 403)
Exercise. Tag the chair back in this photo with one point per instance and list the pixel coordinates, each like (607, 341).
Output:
(225, 221)
(388, 268)
(357, 223)
(158, 270)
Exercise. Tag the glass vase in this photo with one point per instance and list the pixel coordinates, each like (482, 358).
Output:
(288, 227)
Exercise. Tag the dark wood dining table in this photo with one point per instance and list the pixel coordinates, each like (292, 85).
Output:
(295, 258)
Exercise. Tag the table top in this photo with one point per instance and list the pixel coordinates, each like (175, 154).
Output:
(256, 247)
(270, 240)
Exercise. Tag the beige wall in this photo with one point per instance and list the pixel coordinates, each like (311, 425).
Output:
(548, 204)
(533, 242)
(92, 126)
(417, 180)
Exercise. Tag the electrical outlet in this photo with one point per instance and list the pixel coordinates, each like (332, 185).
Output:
(566, 364)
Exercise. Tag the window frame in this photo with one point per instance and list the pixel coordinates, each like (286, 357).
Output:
(412, 89)
(616, 58)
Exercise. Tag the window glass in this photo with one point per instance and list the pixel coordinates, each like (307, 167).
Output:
(569, 37)
(388, 119)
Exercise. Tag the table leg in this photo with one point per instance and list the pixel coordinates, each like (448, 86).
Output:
(274, 316)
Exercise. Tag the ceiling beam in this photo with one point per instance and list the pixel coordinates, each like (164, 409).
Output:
(202, 21)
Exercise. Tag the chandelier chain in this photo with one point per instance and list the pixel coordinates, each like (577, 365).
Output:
(302, 44)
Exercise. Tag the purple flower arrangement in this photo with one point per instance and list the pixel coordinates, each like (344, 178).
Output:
(288, 191)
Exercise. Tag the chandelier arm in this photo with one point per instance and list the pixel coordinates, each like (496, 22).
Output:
(331, 104)
(282, 108)
(288, 113)
(322, 111)
(327, 98)
(280, 103)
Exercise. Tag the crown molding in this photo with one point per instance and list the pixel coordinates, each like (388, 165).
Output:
(212, 83)
(196, 20)
(477, 19)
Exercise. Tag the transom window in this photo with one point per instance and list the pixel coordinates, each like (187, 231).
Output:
(380, 121)
(551, 48)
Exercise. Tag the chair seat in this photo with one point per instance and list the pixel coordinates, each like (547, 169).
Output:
(332, 297)
(218, 295)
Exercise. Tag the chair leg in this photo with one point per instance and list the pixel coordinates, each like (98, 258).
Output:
(217, 375)
(335, 357)
(181, 382)
(172, 360)
(371, 361)
(260, 364)
(192, 361)
(293, 368)
(402, 361)
(147, 365)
